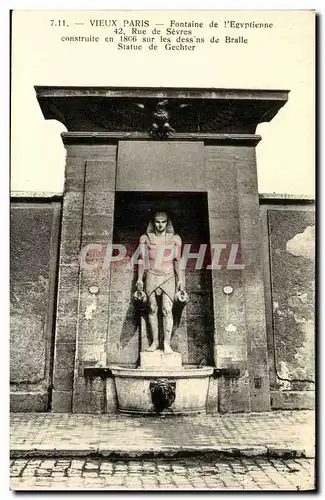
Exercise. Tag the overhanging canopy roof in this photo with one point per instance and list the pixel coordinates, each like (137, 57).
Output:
(131, 109)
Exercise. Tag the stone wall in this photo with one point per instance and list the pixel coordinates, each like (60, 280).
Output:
(288, 230)
(34, 238)
(290, 302)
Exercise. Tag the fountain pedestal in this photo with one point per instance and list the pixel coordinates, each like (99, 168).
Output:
(160, 360)
(161, 385)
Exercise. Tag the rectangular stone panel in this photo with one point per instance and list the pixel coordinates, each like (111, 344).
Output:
(34, 231)
(89, 395)
(100, 175)
(61, 401)
(293, 400)
(73, 204)
(99, 277)
(30, 233)
(223, 204)
(229, 313)
(98, 225)
(111, 397)
(221, 162)
(123, 346)
(235, 352)
(67, 303)
(70, 251)
(199, 340)
(93, 307)
(212, 399)
(292, 259)
(74, 180)
(29, 401)
(234, 393)
(101, 202)
(223, 230)
(63, 366)
(69, 277)
(90, 401)
(161, 166)
(28, 346)
(65, 329)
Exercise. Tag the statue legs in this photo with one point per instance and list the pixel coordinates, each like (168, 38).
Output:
(167, 307)
(153, 321)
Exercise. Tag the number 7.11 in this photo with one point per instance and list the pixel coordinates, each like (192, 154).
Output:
(58, 22)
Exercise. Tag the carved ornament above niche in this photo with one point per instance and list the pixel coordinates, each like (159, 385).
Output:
(160, 113)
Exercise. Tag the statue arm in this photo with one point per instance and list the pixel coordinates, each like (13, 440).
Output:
(178, 263)
(142, 245)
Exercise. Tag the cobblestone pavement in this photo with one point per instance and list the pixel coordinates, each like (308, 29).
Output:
(256, 434)
(195, 474)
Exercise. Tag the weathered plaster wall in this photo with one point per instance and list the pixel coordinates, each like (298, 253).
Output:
(291, 301)
(292, 243)
(33, 251)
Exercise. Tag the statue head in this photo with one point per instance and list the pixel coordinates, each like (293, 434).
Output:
(160, 223)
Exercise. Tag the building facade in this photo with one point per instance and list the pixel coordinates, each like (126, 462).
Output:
(250, 317)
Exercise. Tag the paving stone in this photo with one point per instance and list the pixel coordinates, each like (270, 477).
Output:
(93, 464)
(264, 474)
(42, 473)
(77, 464)
(252, 434)
(75, 434)
(72, 473)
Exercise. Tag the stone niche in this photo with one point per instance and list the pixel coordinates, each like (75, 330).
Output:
(129, 149)
(193, 337)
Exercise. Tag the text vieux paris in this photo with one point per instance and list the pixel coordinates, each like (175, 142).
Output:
(145, 23)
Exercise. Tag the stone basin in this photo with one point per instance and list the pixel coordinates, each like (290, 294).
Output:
(134, 394)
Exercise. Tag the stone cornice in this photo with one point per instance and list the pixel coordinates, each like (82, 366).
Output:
(160, 112)
(35, 194)
(163, 93)
(114, 137)
(286, 199)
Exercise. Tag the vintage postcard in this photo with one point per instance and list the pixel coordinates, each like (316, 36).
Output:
(162, 250)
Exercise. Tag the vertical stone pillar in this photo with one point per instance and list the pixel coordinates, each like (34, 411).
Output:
(230, 343)
(240, 334)
(82, 317)
(68, 279)
(251, 244)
